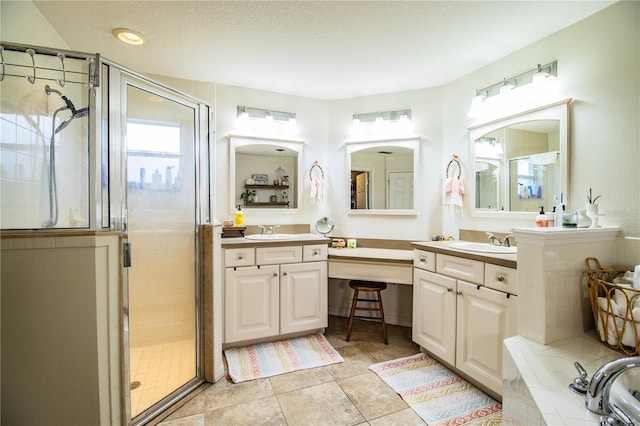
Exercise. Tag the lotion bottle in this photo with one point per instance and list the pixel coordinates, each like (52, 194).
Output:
(239, 216)
(542, 220)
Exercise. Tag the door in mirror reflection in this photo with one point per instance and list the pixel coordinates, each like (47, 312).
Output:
(382, 176)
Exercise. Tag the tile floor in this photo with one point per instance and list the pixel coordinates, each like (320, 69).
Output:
(159, 370)
(340, 394)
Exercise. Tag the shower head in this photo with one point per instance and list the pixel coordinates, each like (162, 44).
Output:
(82, 112)
(48, 90)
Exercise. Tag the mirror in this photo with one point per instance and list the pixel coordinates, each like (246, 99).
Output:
(520, 163)
(264, 174)
(324, 225)
(381, 178)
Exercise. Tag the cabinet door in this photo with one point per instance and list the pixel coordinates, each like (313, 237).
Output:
(485, 318)
(303, 297)
(434, 314)
(251, 302)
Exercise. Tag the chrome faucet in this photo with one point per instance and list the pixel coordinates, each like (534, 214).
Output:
(506, 240)
(269, 230)
(495, 241)
(597, 398)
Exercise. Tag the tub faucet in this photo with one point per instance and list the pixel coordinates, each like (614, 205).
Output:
(597, 398)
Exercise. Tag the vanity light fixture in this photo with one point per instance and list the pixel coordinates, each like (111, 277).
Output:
(260, 120)
(530, 86)
(128, 36)
(382, 123)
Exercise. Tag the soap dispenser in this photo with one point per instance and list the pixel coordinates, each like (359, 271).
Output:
(239, 216)
(542, 220)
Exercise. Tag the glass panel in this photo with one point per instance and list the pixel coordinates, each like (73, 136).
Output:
(161, 207)
(44, 146)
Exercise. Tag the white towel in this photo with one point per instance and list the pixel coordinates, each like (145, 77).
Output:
(317, 191)
(453, 192)
(636, 277)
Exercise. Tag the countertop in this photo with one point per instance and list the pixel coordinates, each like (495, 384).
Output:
(506, 260)
(240, 242)
(547, 370)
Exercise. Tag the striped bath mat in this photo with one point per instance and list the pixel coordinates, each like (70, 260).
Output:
(270, 359)
(436, 394)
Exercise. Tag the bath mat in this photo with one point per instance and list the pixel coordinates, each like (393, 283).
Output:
(437, 395)
(270, 359)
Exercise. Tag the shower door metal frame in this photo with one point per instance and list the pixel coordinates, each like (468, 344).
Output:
(119, 80)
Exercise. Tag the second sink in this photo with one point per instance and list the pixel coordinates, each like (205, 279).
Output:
(483, 248)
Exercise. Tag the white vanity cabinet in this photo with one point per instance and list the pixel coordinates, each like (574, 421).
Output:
(460, 317)
(271, 291)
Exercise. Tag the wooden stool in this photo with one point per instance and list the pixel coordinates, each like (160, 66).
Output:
(373, 286)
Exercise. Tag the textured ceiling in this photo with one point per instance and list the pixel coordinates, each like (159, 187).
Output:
(316, 49)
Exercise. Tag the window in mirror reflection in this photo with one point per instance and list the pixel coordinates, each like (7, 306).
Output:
(517, 168)
(382, 178)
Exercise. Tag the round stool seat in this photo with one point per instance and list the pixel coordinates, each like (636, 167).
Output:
(367, 285)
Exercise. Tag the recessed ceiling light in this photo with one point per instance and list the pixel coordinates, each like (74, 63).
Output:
(128, 36)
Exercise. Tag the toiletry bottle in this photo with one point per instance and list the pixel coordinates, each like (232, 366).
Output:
(541, 219)
(558, 210)
(239, 216)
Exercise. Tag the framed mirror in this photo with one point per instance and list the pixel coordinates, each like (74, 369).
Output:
(381, 176)
(520, 162)
(264, 174)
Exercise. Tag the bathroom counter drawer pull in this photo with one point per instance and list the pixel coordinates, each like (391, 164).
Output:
(501, 278)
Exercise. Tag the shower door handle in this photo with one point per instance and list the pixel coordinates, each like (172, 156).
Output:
(126, 255)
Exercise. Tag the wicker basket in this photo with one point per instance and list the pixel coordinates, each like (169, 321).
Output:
(616, 308)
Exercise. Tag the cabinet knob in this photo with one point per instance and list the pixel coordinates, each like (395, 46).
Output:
(449, 289)
(459, 293)
(315, 253)
(500, 278)
(240, 257)
(422, 259)
(284, 274)
(275, 274)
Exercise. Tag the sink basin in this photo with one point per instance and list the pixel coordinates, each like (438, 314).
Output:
(271, 237)
(483, 248)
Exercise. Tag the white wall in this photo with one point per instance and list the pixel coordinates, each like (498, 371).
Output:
(598, 66)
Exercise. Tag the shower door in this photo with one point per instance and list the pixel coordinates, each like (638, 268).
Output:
(159, 219)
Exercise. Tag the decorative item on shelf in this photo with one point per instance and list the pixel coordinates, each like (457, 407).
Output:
(227, 223)
(248, 196)
(260, 179)
(273, 199)
(583, 220)
(592, 209)
(250, 181)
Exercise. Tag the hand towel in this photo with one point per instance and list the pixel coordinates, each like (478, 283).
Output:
(636, 277)
(631, 332)
(453, 192)
(317, 193)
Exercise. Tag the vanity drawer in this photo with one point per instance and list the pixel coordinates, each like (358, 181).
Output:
(458, 267)
(276, 255)
(313, 253)
(501, 278)
(239, 257)
(424, 260)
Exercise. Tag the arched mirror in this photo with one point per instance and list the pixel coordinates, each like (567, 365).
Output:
(520, 162)
(381, 176)
(264, 174)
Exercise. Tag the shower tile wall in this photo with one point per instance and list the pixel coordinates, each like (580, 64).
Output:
(25, 131)
(22, 155)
